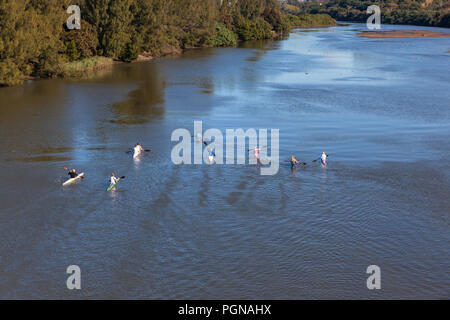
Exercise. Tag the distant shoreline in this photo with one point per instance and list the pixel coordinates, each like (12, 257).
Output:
(314, 26)
(403, 34)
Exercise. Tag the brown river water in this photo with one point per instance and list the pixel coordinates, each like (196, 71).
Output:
(379, 107)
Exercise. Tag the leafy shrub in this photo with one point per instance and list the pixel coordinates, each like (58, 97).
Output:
(130, 53)
(10, 74)
(310, 20)
(255, 30)
(445, 21)
(223, 37)
(71, 50)
(85, 41)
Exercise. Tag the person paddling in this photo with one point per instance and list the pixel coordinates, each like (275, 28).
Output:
(137, 150)
(256, 152)
(323, 158)
(114, 180)
(211, 156)
(293, 161)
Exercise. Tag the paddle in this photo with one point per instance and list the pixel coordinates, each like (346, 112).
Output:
(302, 163)
(200, 138)
(320, 158)
(254, 149)
(131, 151)
(118, 179)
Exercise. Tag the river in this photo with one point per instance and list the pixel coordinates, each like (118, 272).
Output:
(378, 107)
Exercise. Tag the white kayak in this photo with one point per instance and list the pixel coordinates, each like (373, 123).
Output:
(73, 180)
(211, 159)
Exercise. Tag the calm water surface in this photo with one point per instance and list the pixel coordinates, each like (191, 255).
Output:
(379, 107)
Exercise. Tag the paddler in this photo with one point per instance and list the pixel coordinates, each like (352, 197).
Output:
(72, 173)
(211, 156)
(114, 180)
(137, 150)
(293, 161)
(256, 153)
(323, 158)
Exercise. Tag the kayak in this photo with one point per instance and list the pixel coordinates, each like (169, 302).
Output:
(113, 186)
(211, 159)
(73, 180)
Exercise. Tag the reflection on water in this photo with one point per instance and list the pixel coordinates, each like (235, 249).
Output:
(42, 159)
(144, 103)
(259, 45)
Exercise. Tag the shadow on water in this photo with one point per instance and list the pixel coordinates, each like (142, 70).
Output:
(261, 46)
(147, 101)
(36, 95)
(41, 159)
(256, 44)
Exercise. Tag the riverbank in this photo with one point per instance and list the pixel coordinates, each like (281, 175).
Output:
(77, 68)
(305, 20)
(403, 34)
(313, 26)
(80, 68)
(38, 41)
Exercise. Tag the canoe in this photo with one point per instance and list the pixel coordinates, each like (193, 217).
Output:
(74, 180)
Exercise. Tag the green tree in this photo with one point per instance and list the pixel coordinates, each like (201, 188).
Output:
(223, 37)
(30, 38)
(85, 40)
